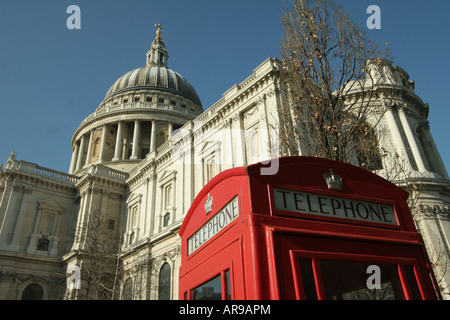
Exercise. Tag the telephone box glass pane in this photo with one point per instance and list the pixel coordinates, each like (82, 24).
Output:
(412, 282)
(307, 278)
(210, 290)
(346, 280)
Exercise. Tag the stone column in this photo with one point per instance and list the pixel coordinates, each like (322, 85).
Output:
(411, 140)
(153, 136)
(170, 130)
(73, 161)
(103, 143)
(89, 150)
(137, 126)
(80, 153)
(396, 137)
(118, 149)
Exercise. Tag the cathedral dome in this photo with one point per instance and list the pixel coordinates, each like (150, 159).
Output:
(157, 77)
(140, 112)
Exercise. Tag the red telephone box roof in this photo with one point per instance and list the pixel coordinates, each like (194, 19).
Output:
(309, 173)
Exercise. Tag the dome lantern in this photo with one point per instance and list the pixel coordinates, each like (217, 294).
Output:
(157, 55)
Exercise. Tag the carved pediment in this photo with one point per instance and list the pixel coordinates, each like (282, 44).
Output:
(51, 204)
(167, 176)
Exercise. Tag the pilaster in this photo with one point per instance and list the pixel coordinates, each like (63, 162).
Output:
(15, 244)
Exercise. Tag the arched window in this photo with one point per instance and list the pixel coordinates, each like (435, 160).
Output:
(33, 292)
(164, 282)
(128, 290)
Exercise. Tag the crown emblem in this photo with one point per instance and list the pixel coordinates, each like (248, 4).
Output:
(334, 182)
(208, 204)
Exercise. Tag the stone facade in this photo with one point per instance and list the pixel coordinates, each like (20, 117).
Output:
(140, 159)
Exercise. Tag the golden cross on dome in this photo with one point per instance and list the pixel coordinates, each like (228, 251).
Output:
(158, 32)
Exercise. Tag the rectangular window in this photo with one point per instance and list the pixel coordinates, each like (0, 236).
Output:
(168, 197)
(254, 144)
(347, 280)
(134, 216)
(217, 288)
(354, 280)
(210, 290)
(210, 168)
(350, 270)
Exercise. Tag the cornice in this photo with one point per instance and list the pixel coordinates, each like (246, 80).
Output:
(100, 176)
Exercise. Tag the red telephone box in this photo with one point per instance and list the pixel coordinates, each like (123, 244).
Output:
(317, 229)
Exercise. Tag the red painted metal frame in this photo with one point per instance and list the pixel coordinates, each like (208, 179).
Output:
(316, 256)
(255, 249)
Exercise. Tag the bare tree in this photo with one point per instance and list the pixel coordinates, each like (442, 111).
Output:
(331, 88)
(99, 258)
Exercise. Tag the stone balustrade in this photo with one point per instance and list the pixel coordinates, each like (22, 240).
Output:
(135, 105)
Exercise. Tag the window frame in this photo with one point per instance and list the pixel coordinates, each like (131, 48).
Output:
(211, 159)
(254, 147)
(133, 218)
(226, 287)
(316, 257)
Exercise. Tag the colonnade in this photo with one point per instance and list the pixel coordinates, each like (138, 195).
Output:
(409, 142)
(123, 140)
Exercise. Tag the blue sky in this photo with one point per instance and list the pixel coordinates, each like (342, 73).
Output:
(51, 77)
